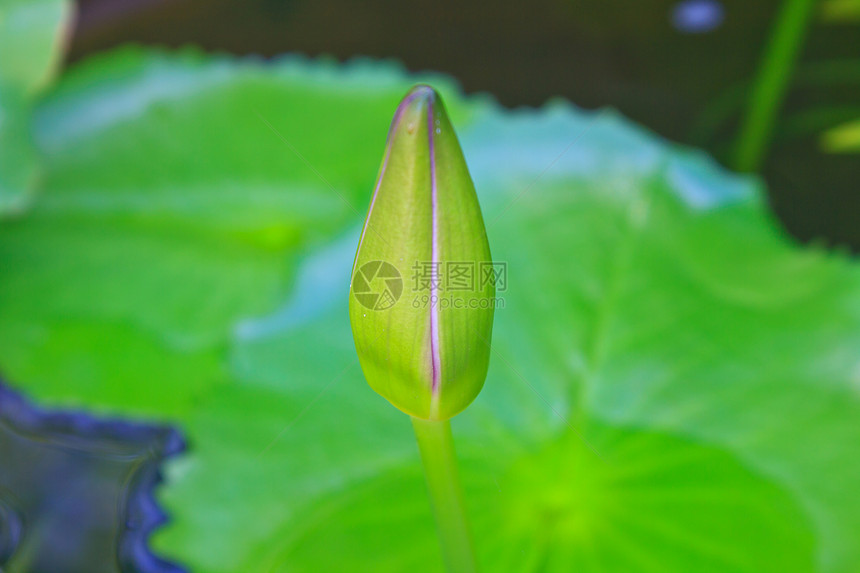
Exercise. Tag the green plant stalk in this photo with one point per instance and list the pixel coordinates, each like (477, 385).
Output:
(446, 494)
(771, 84)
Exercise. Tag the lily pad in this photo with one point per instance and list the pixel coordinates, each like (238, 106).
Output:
(31, 43)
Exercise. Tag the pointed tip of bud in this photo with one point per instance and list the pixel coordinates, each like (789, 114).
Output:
(420, 94)
(422, 90)
(415, 105)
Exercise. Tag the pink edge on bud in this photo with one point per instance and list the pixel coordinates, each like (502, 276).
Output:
(434, 308)
(394, 123)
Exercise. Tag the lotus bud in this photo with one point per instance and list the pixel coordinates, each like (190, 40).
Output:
(422, 289)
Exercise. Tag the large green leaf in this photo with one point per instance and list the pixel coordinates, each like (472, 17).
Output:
(31, 37)
(673, 386)
(18, 162)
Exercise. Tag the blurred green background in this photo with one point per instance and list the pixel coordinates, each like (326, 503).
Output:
(688, 83)
(675, 378)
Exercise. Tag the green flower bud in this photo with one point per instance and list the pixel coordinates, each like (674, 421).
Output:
(421, 304)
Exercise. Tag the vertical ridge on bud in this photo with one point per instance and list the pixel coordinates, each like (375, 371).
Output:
(422, 352)
(434, 309)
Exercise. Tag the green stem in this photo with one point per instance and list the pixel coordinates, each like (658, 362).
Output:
(446, 495)
(771, 83)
